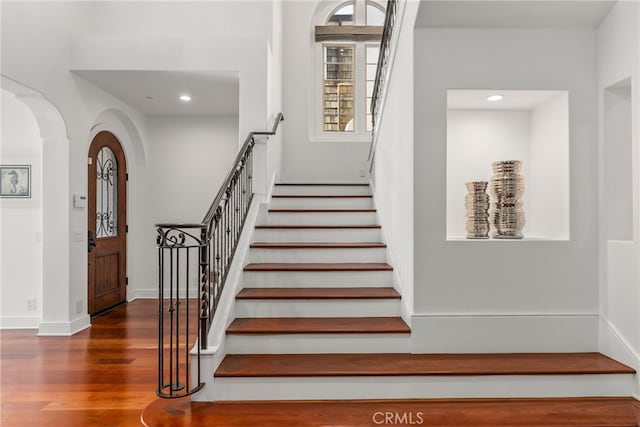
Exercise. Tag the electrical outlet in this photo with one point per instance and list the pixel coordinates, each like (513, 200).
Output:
(362, 173)
(79, 306)
(31, 304)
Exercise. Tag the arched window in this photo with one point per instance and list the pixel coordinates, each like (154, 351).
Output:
(347, 47)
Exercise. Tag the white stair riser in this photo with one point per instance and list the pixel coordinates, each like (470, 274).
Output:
(317, 278)
(416, 387)
(317, 255)
(321, 203)
(317, 235)
(318, 308)
(317, 343)
(321, 218)
(322, 189)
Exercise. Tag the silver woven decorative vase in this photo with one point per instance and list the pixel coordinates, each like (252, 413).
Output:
(477, 210)
(507, 188)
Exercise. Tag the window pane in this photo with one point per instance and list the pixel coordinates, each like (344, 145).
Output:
(106, 194)
(372, 54)
(375, 16)
(338, 89)
(370, 85)
(371, 71)
(343, 16)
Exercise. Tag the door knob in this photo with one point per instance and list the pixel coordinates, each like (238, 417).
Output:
(91, 242)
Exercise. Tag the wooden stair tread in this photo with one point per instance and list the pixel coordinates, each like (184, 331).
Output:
(636, 408)
(319, 266)
(322, 196)
(317, 245)
(371, 364)
(321, 210)
(318, 325)
(538, 412)
(318, 293)
(325, 227)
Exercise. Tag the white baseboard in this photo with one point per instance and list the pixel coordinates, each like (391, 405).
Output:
(406, 303)
(20, 322)
(614, 345)
(64, 329)
(504, 333)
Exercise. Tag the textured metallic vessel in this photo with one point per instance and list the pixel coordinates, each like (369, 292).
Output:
(477, 209)
(507, 188)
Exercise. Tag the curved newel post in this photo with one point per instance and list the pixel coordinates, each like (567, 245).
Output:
(180, 249)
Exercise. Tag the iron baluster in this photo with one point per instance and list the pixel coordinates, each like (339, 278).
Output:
(204, 290)
(216, 240)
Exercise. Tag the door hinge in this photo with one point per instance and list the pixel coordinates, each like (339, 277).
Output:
(127, 177)
(126, 228)
(90, 161)
(126, 281)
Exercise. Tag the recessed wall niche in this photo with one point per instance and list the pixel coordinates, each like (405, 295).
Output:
(618, 172)
(527, 125)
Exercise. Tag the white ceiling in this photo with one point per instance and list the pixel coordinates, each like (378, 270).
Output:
(512, 13)
(465, 99)
(212, 93)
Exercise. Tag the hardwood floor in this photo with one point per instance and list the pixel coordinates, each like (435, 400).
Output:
(568, 412)
(103, 376)
(106, 376)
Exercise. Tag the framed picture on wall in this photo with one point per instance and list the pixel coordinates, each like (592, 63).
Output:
(15, 181)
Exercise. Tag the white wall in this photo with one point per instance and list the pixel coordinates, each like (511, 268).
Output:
(125, 35)
(275, 89)
(393, 175)
(549, 185)
(189, 157)
(619, 59)
(20, 220)
(304, 159)
(469, 296)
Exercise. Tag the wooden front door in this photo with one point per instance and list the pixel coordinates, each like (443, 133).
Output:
(107, 209)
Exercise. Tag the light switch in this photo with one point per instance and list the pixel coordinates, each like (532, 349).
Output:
(79, 201)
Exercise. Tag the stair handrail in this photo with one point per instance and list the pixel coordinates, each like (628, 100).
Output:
(213, 217)
(247, 145)
(381, 72)
(215, 241)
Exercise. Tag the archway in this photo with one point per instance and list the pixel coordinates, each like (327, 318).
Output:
(56, 310)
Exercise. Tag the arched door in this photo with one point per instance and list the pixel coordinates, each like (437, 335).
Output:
(107, 225)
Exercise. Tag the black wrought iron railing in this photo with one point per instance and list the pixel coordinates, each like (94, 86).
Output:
(199, 256)
(382, 69)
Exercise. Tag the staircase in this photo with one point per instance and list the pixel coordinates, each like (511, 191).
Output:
(317, 280)
(318, 317)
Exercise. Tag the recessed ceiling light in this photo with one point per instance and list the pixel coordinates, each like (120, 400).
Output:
(494, 98)
(185, 98)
